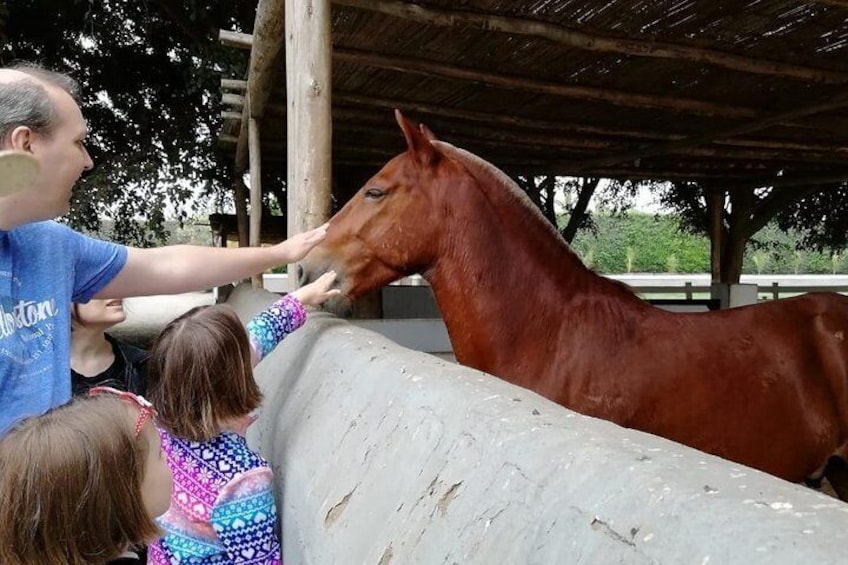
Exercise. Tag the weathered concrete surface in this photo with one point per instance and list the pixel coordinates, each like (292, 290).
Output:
(384, 455)
(148, 315)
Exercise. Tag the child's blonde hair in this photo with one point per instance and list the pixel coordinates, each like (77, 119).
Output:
(200, 374)
(70, 485)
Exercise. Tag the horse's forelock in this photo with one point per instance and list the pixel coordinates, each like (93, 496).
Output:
(488, 172)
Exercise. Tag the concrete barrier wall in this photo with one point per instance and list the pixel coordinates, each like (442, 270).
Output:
(385, 455)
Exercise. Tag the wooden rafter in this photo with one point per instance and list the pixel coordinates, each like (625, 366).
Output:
(471, 135)
(834, 3)
(558, 131)
(269, 18)
(235, 39)
(440, 70)
(561, 127)
(793, 181)
(634, 100)
(596, 42)
(837, 102)
(617, 97)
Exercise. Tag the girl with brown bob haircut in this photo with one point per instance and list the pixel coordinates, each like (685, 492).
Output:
(82, 483)
(200, 378)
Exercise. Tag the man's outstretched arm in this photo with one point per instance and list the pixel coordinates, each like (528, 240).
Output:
(183, 268)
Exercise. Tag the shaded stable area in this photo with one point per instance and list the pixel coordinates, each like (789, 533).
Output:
(731, 95)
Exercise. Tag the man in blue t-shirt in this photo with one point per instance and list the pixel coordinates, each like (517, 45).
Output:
(45, 266)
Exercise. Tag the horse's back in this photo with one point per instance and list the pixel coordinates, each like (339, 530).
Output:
(731, 381)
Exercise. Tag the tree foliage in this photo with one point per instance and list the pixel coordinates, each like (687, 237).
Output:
(571, 195)
(821, 219)
(815, 211)
(638, 242)
(646, 243)
(150, 73)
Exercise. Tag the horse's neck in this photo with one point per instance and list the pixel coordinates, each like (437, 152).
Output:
(500, 234)
(497, 260)
(504, 275)
(503, 270)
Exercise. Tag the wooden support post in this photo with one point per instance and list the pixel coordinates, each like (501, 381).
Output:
(715, 209)
(255, 158)
(309, 131)
(240, 197)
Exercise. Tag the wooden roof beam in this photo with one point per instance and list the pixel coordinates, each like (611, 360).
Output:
(411, 107)
(268, 38)
(268, 29)
(617, 97)
(595, 42)
(438, 70)
(235, 39)
(264, 45)
(834, 3)
(470, 136)
(794, 181)
(754, 148)
(233, 84)
(837, 102)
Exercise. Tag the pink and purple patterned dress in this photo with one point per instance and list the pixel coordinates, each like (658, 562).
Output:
(222, 503)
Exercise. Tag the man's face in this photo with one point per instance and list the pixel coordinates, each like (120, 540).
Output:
(62, 156)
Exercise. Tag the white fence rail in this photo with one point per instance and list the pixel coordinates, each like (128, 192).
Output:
(688, 286)
(768, 286)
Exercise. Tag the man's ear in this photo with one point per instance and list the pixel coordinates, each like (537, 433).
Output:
(21, 139)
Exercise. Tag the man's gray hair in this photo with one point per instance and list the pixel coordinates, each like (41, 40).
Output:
(26, 102)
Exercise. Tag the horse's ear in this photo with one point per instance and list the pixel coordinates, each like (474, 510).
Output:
(428, 133)
(417, 141)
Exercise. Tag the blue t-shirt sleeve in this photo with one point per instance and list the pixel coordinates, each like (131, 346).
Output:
(96, 263)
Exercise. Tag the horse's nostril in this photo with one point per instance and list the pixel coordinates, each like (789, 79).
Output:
(301, 275)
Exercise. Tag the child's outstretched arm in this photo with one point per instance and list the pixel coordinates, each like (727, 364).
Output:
(269, 327)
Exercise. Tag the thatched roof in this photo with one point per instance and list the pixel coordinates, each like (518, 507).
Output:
(735, 92)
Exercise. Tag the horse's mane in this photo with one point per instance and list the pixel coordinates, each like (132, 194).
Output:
(486, 171)
(491, 175)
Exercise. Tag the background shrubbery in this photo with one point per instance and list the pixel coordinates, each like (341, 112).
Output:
(644, 243)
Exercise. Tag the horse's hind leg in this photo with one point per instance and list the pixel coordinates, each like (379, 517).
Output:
(836, 472)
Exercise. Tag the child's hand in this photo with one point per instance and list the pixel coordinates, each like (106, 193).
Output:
(297, 246)
(318, 290)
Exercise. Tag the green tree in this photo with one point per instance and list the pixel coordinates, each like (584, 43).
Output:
(150, 73)
(821, 219)
(647, 243)
(746, 210)
(572, 195)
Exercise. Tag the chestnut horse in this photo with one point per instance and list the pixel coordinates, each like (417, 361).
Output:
(763, 385)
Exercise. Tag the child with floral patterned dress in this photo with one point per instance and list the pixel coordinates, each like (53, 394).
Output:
(200, 378)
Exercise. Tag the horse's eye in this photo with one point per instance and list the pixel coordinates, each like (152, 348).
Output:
(374, 193)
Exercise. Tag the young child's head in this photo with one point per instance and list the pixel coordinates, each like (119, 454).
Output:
(200, 374)
(97, 313)
(81, 483)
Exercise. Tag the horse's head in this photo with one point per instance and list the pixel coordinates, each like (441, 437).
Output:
(389, 229)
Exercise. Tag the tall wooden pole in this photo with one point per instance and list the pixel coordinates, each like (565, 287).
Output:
(255, 158)
(715, 208)
(308, 90)
(241, 208)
